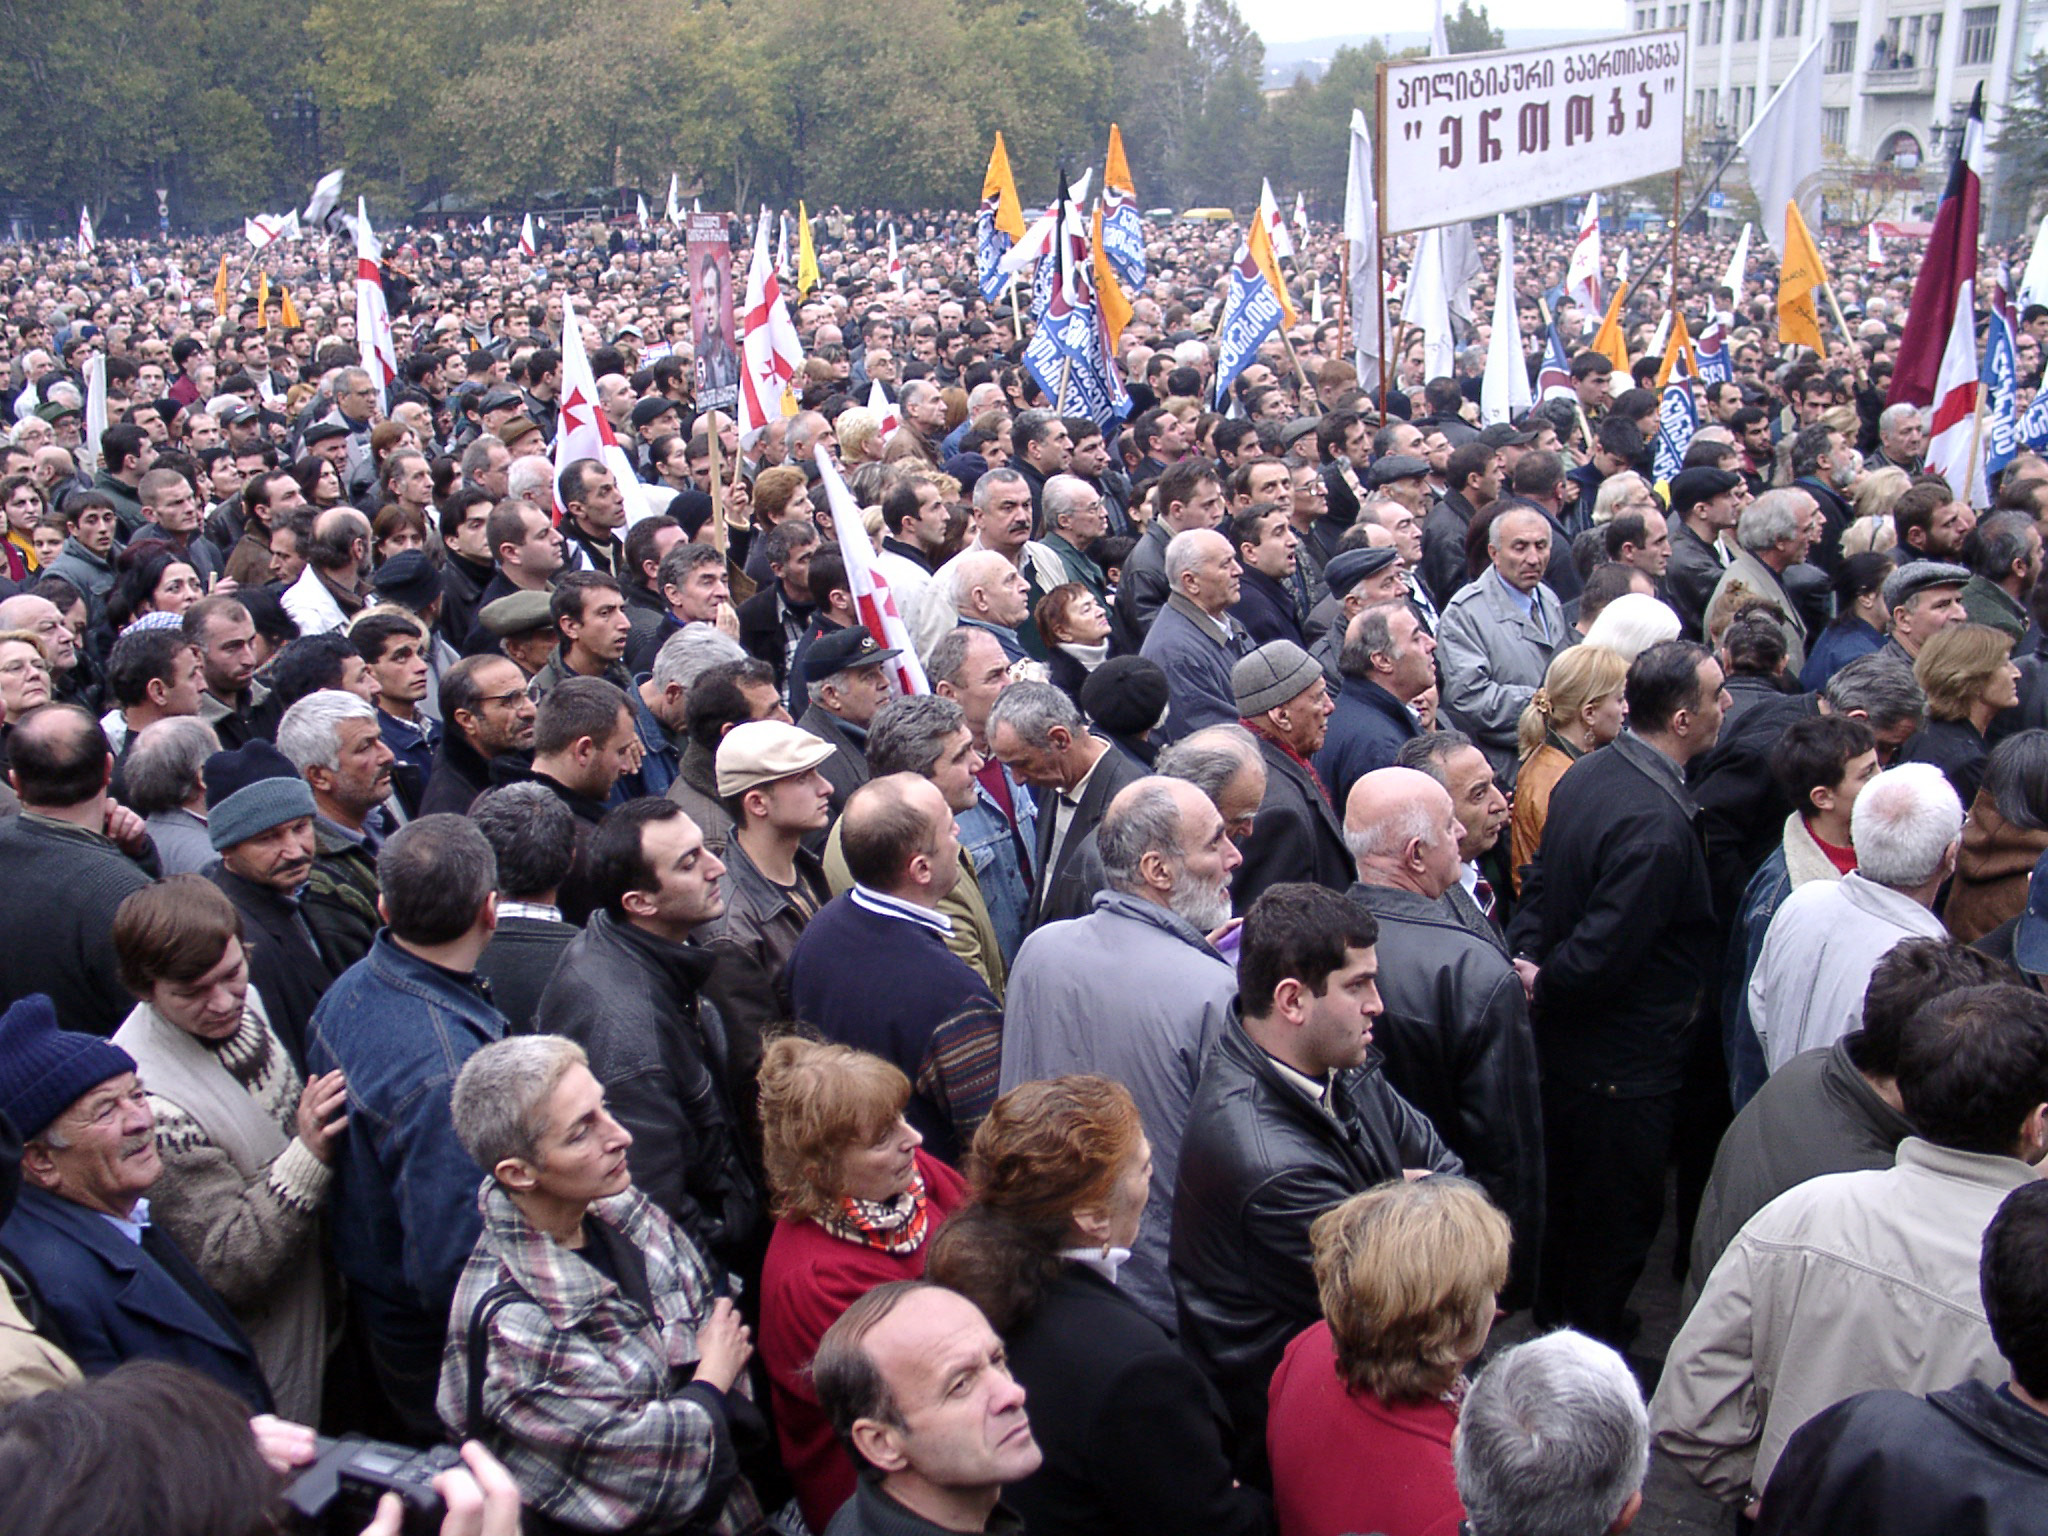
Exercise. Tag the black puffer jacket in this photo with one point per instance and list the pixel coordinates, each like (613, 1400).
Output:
(1458, 1046)
(1258, 1164)
(632, 1001)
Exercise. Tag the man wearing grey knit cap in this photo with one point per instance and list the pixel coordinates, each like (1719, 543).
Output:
(259, 816)
(117, 1287)
(1284, 700)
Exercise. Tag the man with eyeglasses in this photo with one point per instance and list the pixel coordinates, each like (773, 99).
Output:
(486, 712)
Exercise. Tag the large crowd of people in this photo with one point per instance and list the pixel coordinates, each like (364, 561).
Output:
(498, 959)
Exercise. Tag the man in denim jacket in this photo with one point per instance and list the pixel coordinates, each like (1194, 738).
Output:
(400, 1023)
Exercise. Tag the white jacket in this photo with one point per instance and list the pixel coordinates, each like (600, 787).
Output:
(1844, 1284)
(1807, 988)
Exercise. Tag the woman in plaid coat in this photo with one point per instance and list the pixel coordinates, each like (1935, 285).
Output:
(585, 1345)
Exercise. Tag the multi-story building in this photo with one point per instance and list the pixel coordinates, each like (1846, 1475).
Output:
(1899, 74)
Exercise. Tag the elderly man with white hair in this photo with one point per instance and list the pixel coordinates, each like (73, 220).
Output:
(1774, 533)
(1194, 639)
(1807, 988)
(1553, 1440)
(1901, 439)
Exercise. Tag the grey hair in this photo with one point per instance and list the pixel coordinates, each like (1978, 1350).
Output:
(1371, 634)
(949, 655)
(1061, 495)
(1429, 752)
(1878, 688)
(2016, 778)
(499, 1105)
(162, 768)
(1210, 758)
(1182, 555)
(908, 734)
(1553, 1440)
(533, 834)
(1144, 818)
(1499, 524)
(1032, 710)
(1415, 821)
(974, 568)
(530, 479)
(1771, 518)
(1611, 491)
(1892, 417)
(476, 458)
(2001, 540)
(1904, 821)
(310, 732)
(985, 487)
(692, 651)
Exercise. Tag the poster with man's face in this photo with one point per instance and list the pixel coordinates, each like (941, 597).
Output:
(708, 249)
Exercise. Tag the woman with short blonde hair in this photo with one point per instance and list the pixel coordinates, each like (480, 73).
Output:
(857, 1202)
(1365, 1402)
(1968, 675)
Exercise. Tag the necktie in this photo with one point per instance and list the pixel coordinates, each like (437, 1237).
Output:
(1482, 893)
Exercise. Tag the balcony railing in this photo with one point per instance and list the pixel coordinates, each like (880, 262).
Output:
(1899, 82)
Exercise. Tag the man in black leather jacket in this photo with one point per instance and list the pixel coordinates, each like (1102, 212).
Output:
(1292, 1116)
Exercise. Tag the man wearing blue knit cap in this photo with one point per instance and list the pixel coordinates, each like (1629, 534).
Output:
(119, 1289)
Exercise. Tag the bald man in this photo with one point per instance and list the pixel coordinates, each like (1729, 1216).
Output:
(1194, 639)
(1456, 1032)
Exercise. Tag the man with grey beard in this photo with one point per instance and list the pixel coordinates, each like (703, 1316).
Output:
(1134, 990)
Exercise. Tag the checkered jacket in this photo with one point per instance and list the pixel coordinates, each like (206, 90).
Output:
(587, 1398)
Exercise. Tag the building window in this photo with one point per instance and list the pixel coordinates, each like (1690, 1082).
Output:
(1834, 125)
(1980, 35)
(1842, 48)
(1720, 16)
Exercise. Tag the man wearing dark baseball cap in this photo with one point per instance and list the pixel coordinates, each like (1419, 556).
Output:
(846, 683)
(1704, 505)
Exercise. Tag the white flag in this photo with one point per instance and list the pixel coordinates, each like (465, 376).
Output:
(1874, 257)
(770, 353)
(373, 319)
(642, 201)
(1301, 214)
(1037, 239)
(526, 244)
(1439, 43)
(873, 603)
(86, 243)
(2034, 281)
(326, 198)
(95, 404)
(1621, 265)
(1504, 392)
(896, 275)
(1427, 305)
(1738, 266)
(1783, 150)
(1276, 227)
(885, 408)
(1362, 234)
(675, 200)
(1315, 301)
(583, 431)
(1582, 276)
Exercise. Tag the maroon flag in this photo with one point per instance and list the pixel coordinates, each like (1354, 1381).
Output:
(1948, 277)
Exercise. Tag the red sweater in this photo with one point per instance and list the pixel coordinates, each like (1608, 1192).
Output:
(810, 1277)
(1345, 1461)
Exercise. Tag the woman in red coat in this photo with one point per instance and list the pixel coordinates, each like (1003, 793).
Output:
(857, 1203)
(1364, 1403)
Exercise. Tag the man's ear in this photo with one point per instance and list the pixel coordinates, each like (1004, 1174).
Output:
(880, 1445)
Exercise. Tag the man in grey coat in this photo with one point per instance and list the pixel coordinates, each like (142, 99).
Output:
(1774, 533)
(1134, 990)
(1194, 639)
(1498, 635)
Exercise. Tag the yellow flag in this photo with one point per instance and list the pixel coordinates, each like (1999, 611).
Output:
(1269, 267)
(287, 311)
(1678, 344)
(1116, 309)
(263, 301)
(1116, 171)
(220, 288)
(1799, 275)
(806, 253)
(1608, 341)
(997, 183)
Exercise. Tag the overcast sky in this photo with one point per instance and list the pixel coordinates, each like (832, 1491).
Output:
(1282, 21)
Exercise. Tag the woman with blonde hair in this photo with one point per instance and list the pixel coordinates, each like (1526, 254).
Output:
(1365, 1402)
(1579, 707)
(1873, 499)
(1133, 1435)
(1968, 675)
(860, 437)
(856, 1201)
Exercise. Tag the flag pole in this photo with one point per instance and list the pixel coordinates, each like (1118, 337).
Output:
(717, 484)
(1842, 325)
(1344, 301)
(1379, 311)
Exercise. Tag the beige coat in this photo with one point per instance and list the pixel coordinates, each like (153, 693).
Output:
(1844, 1284)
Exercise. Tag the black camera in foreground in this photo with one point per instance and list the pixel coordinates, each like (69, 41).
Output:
(337, 1495)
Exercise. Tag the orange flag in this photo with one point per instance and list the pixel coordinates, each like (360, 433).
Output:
(220, 288)
(1608, 341)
